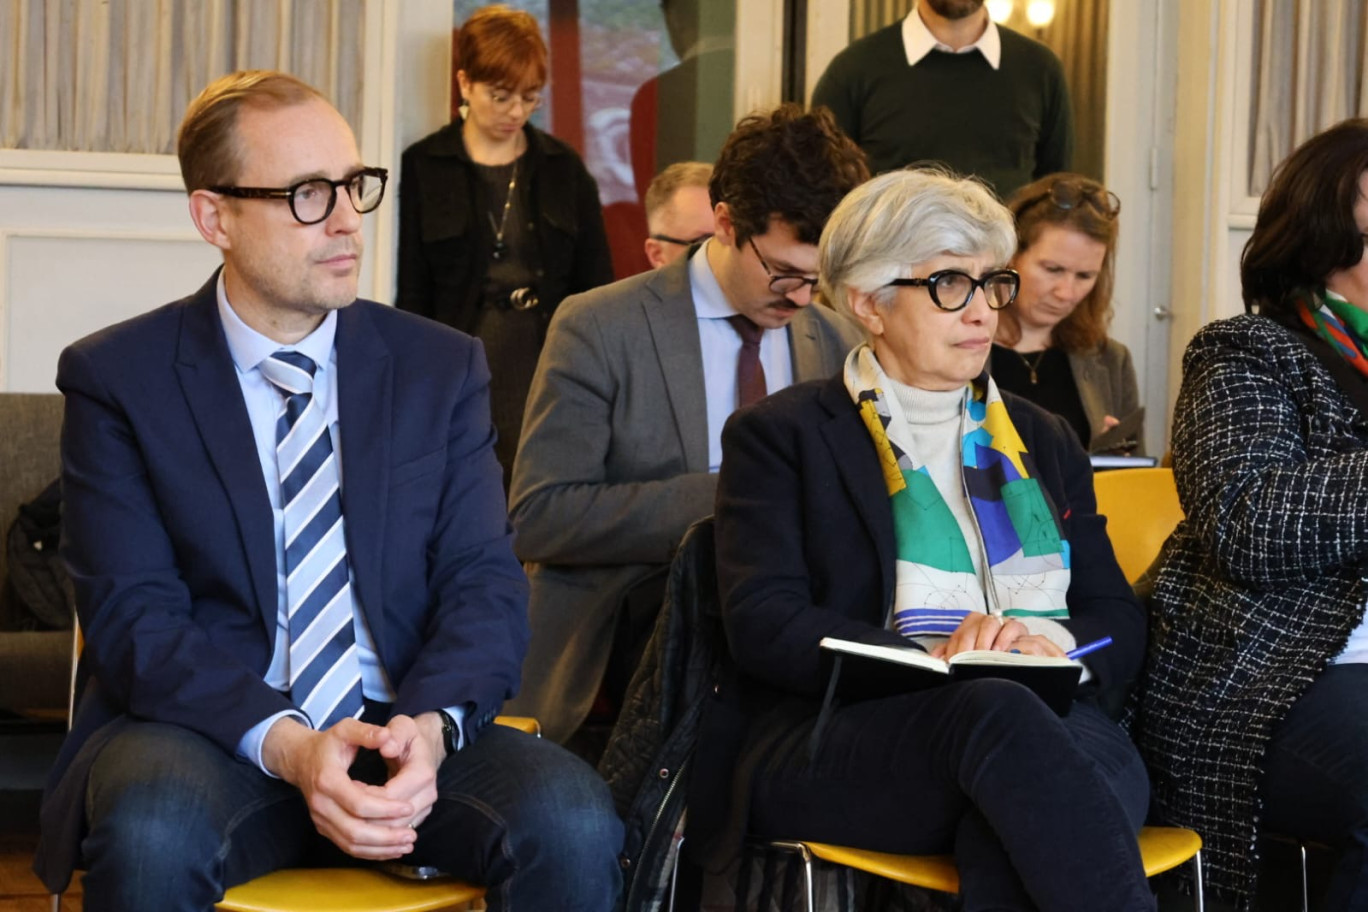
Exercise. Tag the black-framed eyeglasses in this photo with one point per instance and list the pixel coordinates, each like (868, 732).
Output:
(1070, 194)
(312, 201)
(953, 289)
(782, 284)
(680, 241)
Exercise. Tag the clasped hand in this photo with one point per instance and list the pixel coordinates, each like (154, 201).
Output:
(375, 822)
(986, 631)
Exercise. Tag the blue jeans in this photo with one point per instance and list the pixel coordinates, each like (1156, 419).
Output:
(1040, 812)
(174, 821)
(1315, 782)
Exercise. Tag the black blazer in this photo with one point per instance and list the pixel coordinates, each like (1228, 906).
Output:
(805, 549)
(445, 243)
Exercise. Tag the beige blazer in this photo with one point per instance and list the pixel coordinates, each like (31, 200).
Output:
(613, 467)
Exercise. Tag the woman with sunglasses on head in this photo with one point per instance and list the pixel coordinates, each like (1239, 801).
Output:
(908, 502)
(1252, 712)
(1052, 345)
(498, 221)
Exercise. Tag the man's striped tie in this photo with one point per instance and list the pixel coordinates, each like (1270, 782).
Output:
(325, 672)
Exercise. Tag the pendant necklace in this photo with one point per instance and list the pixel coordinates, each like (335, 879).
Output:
(1033, 366)
(500, 248)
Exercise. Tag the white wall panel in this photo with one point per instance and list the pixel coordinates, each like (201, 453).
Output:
(87, 239)
(62, 285)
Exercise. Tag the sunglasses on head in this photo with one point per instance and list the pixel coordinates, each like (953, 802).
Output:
(1071, 194)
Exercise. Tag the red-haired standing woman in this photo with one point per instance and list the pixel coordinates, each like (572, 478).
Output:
(498, 220)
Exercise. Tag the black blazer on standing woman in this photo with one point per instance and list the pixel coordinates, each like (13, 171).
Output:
(445, 245)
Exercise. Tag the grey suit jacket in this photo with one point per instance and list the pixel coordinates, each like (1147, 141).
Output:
(613, 467)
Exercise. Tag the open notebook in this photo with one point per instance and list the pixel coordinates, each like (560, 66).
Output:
(868, 671)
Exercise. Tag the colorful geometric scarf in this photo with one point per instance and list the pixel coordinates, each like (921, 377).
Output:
(1026, 559)
(1336, 321)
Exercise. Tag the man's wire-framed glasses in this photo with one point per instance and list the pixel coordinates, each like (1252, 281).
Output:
(312, 201)
(783, 284)
(952, 289)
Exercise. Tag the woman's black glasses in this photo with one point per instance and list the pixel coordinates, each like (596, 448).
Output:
(952, 289)
(312, 200)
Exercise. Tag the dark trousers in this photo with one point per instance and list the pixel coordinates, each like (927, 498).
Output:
(1315, 784)
(1040, 812)
(174, 821)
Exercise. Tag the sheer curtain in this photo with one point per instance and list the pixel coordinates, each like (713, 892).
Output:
(116, 75)
(1077, 35)
(1309, 73)
(871, 15)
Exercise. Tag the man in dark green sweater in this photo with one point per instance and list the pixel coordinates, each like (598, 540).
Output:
(947, 84)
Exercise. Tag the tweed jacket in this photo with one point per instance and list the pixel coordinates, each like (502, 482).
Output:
(1106, 383)
(1260, 585)
(613, 467)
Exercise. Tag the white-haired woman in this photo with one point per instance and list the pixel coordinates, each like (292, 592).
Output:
(907, 500)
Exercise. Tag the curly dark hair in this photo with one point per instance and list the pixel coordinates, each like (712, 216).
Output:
(1306, 228)
(789, 164)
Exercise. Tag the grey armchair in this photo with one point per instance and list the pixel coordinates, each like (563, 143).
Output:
(34, 664)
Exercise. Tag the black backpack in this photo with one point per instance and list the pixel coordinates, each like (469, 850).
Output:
(40, 592)
(647, 759)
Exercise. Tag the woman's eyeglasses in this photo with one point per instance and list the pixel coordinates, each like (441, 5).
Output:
(1070, 194)
(953, 289)
(503, 99)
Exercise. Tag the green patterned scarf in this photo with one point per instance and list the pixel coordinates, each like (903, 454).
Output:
(1026, 559)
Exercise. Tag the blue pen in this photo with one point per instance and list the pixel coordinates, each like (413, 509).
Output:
(1090, 647)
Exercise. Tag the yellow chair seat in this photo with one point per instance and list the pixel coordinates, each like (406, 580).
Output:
(345, 890)
(521, 723)
(1161, 848)
(932, 872)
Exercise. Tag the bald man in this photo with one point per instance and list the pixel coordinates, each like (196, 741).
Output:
(679, 212)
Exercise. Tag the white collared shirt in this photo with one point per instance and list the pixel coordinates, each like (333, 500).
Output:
(721, 346)
(248, 349)
(918, 41)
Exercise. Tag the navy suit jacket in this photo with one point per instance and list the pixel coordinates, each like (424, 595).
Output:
(168, 532)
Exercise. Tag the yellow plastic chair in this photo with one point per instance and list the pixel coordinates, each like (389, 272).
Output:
(333, 889)
(356, 889)
(346, 890)
(1161, 848)
(1142, 509)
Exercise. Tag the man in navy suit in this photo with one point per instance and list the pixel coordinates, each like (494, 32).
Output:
(286, 528)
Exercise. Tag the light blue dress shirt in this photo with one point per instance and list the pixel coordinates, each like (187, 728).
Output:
(248, 349)
(721, 345)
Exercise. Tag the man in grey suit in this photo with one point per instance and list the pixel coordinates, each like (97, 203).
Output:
(621, 439)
